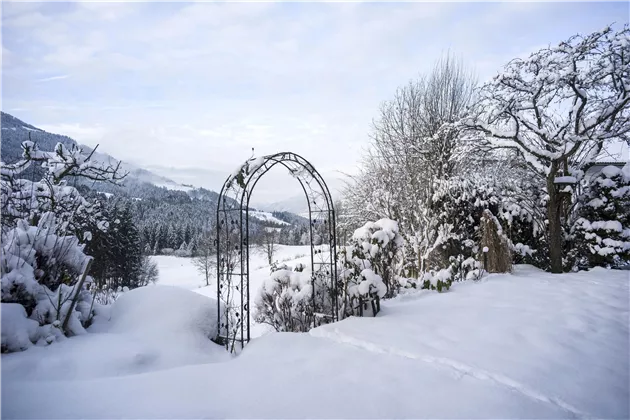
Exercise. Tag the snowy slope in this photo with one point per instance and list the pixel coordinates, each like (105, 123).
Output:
(265, 217)
(528, 345)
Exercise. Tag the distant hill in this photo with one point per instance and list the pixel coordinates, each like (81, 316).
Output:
(158, 203)
(15, 131)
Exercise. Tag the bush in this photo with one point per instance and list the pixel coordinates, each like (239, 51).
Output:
(377, 246)
(285, 301)
(438, 280)
(369, 267)
(40, 272)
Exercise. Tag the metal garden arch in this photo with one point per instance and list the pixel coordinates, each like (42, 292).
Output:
(232, 244)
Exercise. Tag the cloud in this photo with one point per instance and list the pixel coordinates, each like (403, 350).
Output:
(89, 136)
(196, 85)
(51, 78)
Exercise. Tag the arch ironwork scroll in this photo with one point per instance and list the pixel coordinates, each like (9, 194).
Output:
(232, 244)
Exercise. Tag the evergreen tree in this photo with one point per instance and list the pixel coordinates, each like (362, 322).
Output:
(601, 233)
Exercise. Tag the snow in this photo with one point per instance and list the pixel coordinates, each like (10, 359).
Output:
(151, 328)
(611, 171)
(521, 249)
(18, 331)
(266, 217)
(596, 202)
(180, 272)
(609, 225)
(523, 345)
(372, 281)
(565, 180)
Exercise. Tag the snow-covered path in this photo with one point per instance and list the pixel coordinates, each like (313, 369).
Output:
(528, 345)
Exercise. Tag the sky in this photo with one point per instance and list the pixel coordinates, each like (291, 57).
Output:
(188, 89)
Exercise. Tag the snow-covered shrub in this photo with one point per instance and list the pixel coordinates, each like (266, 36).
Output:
(601, 232)
(379, 245)
(167, 251)
(523, 217)
(39, 272)
(285, 301)
(440, 280)
(465, 268)
(276, 266)
(141, 311)
(456, 210)
(108, 296)
(45, 225)
(361, 286)
(369, 267)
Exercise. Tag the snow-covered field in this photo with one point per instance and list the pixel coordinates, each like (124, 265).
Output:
(526, 345)
(181, 272)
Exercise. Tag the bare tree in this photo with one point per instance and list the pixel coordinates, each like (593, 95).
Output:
(414, 143)
(267, 243)
(557, 109)
(206, 259)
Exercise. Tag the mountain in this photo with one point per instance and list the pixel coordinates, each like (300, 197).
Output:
(165, 211)
(15, 131)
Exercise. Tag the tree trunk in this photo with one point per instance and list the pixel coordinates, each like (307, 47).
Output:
(555, 225)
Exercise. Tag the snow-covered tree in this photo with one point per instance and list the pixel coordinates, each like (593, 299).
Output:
(558, 109)
(601, 232)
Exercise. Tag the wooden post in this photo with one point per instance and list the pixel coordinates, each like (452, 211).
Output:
(64, 326)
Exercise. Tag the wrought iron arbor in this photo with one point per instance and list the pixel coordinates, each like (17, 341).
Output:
(232, 243)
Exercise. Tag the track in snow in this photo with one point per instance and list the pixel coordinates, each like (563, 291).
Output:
(334, 334)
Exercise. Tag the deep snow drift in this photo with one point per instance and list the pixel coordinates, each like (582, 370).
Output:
(527, 345)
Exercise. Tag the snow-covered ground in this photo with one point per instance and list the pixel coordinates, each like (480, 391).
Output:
(181, 272)
(526, 345)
